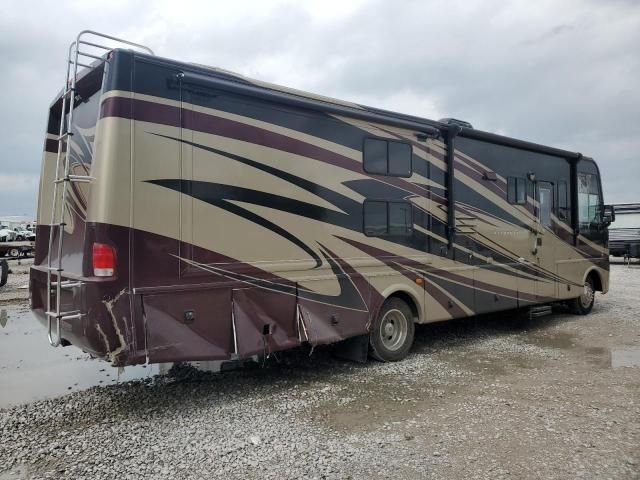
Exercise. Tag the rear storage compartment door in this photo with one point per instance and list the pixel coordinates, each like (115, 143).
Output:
(189, 325)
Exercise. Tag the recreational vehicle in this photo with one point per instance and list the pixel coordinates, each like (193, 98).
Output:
(190, 213)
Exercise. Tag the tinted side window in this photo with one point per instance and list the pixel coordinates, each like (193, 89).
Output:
(387, 218)
(545, 199)
(375, 218)
(399, 159)
(521, 191)
(511, 189)
(400, 218)
(516, 190)
(375, 156)
(563, 204)
(387, 157)
(588, 200)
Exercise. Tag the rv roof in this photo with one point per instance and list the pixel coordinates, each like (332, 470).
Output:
(206, 74)
(233, 81)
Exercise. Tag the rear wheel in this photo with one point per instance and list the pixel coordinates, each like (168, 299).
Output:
(14, 252)
(392, 334)
(584, 303)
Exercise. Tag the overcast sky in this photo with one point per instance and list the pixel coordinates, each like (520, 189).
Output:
(563, 73)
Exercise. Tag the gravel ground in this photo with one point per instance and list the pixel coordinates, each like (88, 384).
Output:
(488, 397)
(16, 291)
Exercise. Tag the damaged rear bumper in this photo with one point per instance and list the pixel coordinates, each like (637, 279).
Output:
(104, 328)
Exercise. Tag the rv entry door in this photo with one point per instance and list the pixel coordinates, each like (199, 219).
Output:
(543, 247)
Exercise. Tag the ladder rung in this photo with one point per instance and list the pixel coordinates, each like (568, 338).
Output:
(84, 54)
(84, 42)
(65, 315)
(81, 64)
(75, 178)
(55, 269)
(68, 92)
(65, 135)
(80, 178)
(67, 284)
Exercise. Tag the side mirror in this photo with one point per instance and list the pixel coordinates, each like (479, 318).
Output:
(608, 214)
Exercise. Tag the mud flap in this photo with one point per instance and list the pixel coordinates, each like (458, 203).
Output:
(264, 321)
(355, 349)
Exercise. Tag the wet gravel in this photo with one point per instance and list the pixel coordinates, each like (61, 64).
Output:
(489, 397)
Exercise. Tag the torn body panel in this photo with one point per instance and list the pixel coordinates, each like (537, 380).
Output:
(264, 321)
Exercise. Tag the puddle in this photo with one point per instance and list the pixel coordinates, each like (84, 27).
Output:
(30, 369)
(554, 339)
(629, 357)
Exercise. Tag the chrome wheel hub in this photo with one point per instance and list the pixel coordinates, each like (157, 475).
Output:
(587, 295)
(393, 329)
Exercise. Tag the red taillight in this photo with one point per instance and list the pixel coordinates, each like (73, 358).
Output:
(104, 260)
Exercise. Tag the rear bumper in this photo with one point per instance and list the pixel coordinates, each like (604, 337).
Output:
(105, 329)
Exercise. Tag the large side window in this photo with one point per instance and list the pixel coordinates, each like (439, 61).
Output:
(387, 157)
(517, 190)
(563, 203)
(588, 200)
(383, 218)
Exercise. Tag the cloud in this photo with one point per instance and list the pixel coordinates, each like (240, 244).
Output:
(559, 76)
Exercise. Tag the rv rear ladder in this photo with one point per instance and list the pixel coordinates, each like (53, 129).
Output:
(64, 177)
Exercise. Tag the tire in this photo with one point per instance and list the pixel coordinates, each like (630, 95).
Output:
(4, 272)
(584, 303)
(14, 252)
(19, 238)
(392, 333)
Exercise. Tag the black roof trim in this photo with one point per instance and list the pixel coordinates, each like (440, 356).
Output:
(522, 144)
(292, 99)
(204, 76)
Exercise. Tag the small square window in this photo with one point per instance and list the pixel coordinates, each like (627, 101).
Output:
(387, 157)
(383, 218)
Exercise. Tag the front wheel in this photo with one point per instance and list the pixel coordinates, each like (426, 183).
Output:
(584, 303)
(392, 334)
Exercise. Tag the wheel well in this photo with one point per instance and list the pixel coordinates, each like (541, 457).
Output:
(408, 299)
(597, 281)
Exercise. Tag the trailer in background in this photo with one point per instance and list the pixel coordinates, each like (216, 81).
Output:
(624, 238)
(17, 249)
